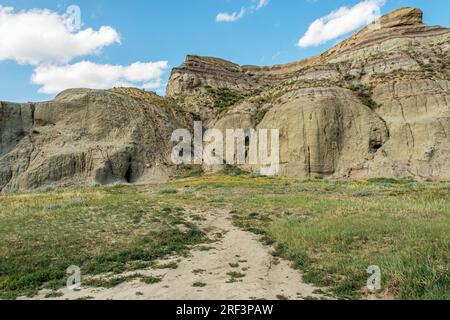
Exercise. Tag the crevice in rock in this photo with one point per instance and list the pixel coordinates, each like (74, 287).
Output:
(129, 173)
(33, 110)
(309, 162)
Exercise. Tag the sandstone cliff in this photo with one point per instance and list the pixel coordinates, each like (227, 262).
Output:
(88, 136)
(376, 105)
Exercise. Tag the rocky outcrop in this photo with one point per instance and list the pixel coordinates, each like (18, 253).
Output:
(324, 131)
(88, 136)
(418, 116)
(402, 17)
(375, 105)
(401, 29)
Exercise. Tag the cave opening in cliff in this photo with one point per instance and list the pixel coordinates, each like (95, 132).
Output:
(375, 147)
(129, 173)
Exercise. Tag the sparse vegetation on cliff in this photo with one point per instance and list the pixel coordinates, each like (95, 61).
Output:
(225, 98)
(261, 114)
(364, 94)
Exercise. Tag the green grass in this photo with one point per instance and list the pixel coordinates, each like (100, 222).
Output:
(115, 281)
(105, 230)
(168, 191)
(233, 171)
(191, 171)
(333, 231)
(330, 230)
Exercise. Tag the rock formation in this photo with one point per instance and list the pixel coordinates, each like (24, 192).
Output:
(85, 136)
(375, 105)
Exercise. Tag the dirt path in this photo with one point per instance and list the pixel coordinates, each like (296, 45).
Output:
(237, 266)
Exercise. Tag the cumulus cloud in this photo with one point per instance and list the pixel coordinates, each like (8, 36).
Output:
(235, 16)
(49, 41)
(42, 36)
(85, 74)
(341, 22)
(230, 17)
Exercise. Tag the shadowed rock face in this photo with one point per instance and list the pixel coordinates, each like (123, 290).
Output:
(16, 121)
(375, 105)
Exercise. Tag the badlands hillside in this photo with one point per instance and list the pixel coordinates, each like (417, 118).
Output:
(376, 105)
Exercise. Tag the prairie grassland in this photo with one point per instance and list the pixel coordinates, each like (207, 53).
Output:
(330, 230)
(102, 230)
(334, 230)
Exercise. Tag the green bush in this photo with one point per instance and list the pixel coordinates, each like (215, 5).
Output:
(225, 98)
(255, 175)
(364, 94)
(233, 171)
(358, 87)
(261, 114)
(384, 181)
(168, 191)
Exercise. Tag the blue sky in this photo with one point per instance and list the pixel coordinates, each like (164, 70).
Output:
(161, 31)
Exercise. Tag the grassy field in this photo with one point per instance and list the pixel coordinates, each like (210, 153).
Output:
(331, 230)
(100, 229)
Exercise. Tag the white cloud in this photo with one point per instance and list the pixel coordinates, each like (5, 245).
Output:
(235, 16)
(230, 17)
(85, 74)
(341, 22)
(261, 4)
(39, 36)
(49, 41)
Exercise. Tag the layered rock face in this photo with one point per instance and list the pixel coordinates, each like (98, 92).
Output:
(88, 136)
(375, 105)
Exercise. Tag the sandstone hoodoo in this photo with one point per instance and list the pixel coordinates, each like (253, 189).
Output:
(375, 105)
